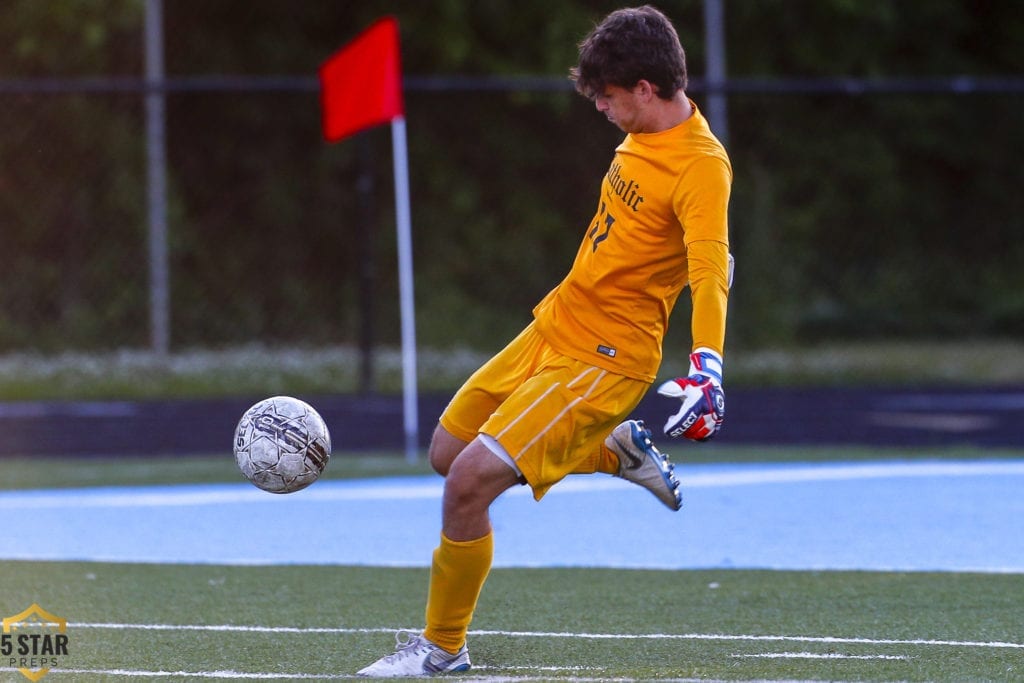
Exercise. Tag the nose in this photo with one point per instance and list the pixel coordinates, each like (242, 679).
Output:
(601, 103)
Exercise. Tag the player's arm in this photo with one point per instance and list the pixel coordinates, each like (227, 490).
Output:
(704, 212)
(709, 293)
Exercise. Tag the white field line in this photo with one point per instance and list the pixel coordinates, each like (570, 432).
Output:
(225, 675)
(544, 674)
(432, 487)
(816, 655)
(231, 628)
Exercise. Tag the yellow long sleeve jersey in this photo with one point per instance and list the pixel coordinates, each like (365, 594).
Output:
(661, 223)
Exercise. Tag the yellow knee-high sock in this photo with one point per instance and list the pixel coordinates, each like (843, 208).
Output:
(603, 461)
(456, 577)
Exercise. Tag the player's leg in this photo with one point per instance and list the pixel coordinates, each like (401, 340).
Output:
(629, 452)
(463, 559)
(603, 459)
(444, 448)
(640, 462)
(459, 567)
(474, 477)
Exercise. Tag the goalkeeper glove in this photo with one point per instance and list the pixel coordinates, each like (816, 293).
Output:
(703, 400)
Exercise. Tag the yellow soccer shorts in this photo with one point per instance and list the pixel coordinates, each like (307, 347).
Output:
(550, 413)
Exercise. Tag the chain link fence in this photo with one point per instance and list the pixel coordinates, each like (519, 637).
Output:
(848, 218)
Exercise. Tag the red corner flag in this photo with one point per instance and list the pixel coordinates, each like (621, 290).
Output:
(361, 84)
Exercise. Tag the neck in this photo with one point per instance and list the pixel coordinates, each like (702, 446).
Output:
(667, 114)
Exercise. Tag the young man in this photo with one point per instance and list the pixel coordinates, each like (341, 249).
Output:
(553, 402)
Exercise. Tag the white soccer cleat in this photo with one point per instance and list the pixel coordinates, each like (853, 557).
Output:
(641, 463)
(414, 655)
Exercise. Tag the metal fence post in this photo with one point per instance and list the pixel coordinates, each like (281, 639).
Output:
(714, 45)
(156, 157)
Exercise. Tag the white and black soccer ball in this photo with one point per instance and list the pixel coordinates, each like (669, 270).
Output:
(282, 444)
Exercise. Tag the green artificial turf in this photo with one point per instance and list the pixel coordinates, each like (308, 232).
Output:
(132, 621)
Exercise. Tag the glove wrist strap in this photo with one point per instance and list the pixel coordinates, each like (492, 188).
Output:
(704, 361)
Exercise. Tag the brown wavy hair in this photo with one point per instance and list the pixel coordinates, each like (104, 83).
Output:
(630, 45)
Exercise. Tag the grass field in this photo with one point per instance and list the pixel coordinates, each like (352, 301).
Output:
(134, 621)
(189, 622)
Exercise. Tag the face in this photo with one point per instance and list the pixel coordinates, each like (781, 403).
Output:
(623, 107)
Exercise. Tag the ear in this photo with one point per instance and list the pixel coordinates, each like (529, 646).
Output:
(645, 90)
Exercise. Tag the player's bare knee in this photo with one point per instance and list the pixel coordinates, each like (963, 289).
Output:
(444, 448)
(476, 478)
(440, 461)
(440, 458)
(461, 487)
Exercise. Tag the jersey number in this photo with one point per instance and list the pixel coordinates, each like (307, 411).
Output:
(596, 235)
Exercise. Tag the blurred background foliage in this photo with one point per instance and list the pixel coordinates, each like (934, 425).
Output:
(854, 216)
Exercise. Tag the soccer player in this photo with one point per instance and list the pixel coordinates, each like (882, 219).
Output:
(555, 401)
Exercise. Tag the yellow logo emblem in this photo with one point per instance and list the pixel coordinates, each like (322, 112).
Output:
(33, 641)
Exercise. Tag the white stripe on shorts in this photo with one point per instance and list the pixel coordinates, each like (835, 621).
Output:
(577, 379)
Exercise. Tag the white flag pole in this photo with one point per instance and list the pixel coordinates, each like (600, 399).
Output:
(410, 410)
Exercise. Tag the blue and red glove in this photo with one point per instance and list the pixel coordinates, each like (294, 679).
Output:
(703, 410)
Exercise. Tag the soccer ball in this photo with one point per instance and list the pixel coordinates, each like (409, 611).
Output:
(282, 444)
